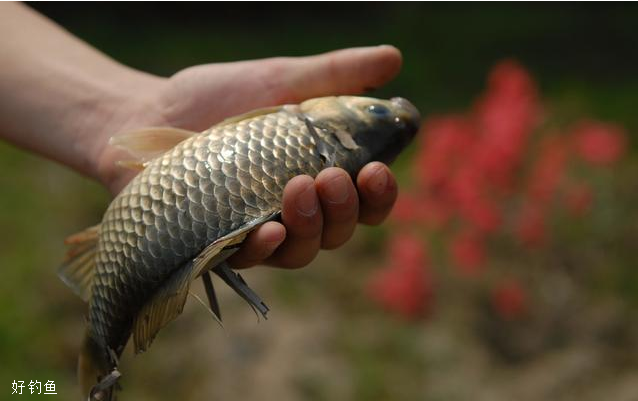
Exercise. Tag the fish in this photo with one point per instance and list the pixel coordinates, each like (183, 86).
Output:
(195, 199)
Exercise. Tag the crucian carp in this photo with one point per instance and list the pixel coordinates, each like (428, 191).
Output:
(194, 201)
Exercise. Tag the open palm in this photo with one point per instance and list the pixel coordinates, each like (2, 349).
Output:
(317, 213)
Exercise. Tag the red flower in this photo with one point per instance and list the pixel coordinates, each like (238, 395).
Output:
(435, 212)
(447, 144)
(468, 252)
(509, 300)
(579, 199)
(530, 227)
(420, 209)
(407, 250)
(405, 285)
(506, 116)
(510, 80)
(599, 143)
(470, 180)
(548, 170)
(406, 209)
(467, 190)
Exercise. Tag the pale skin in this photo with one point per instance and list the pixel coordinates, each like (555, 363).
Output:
(63, 99)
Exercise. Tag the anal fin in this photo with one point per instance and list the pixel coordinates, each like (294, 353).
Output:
(237, 283)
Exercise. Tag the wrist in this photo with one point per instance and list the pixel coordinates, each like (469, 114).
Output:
(128, 100)
(62, 98)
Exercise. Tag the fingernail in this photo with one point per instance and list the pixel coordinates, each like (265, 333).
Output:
(336, 190)
(379, 181)
(307, 202)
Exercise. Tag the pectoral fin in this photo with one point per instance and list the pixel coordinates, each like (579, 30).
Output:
(164, 306)
(325, 154)
(168, 301)
(346, 140)
(225, 246)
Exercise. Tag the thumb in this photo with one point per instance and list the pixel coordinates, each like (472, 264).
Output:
(347, 71)
(237, 87)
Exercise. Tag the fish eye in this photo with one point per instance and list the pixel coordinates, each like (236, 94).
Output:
(378, 110)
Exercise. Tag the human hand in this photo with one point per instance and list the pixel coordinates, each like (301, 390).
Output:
(317, 213)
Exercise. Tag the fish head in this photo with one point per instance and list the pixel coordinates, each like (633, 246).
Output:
(370, 129)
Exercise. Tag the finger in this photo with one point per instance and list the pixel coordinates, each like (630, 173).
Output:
(347, 71)
(251, 84)
(259, 245)
(301, 214)
(378, 191)
(340, 206)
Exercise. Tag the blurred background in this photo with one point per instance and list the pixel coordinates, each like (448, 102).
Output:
(507, 270)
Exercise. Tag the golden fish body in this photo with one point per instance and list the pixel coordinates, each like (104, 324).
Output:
(191, 206)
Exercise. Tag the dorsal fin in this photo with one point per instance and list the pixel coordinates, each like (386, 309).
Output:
(250, 114)
(135, 165)
(79, 267)
(147, 143)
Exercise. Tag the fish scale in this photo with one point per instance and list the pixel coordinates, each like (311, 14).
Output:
(191, 207)
(168, 243)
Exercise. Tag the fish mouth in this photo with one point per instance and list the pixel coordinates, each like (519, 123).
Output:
(407, 112)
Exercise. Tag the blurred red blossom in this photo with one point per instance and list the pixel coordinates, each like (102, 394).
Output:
(468, 252)
(406, 209)
(446, 146)
(411, 208)
(493, 171)
(505, 117)
(599, 143)
(578, 199)
(548, 169)
(472, 202)
(404, 286)
(407, 250)
(530, 225)
(509, 299)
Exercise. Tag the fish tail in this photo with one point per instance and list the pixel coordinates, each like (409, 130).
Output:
(97, 372)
